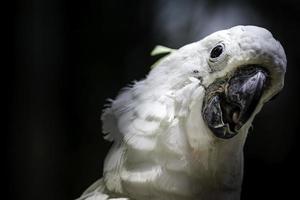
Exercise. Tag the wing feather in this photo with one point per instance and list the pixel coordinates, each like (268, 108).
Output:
(133, 112)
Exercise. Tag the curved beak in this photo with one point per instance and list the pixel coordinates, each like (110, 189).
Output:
(227, 110)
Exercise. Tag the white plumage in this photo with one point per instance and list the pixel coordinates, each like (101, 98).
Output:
(162, 146)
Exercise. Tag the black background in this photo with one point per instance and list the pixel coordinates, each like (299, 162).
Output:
(68, 57)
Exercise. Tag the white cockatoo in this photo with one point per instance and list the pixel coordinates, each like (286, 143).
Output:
(179, 133)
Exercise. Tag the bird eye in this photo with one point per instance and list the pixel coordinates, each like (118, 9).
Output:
(216, 51)
(218, 57)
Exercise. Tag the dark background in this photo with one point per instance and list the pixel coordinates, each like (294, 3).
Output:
(68, 57)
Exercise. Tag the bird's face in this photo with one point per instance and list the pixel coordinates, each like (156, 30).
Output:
(238, 69)
(247, 67)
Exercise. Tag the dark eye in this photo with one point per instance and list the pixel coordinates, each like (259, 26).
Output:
(216, 51)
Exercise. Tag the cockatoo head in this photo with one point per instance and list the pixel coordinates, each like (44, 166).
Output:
(247, 69)
(240, 68)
